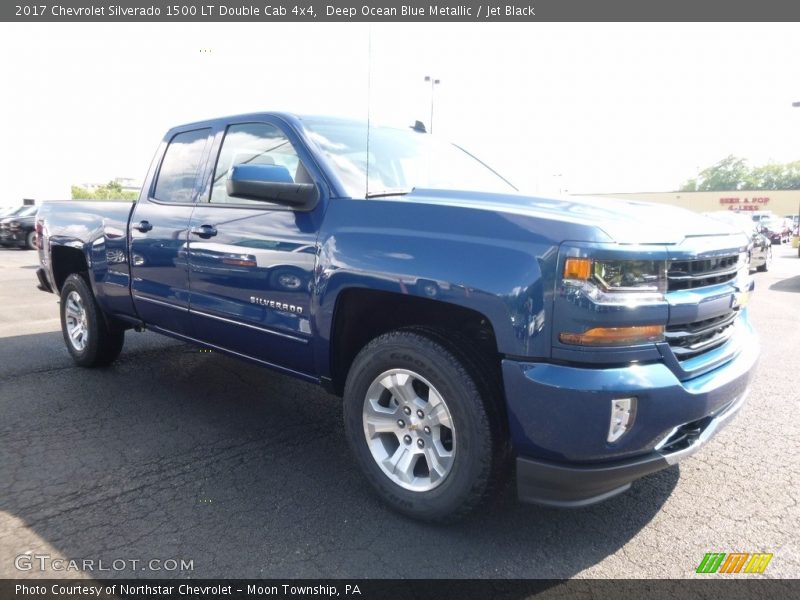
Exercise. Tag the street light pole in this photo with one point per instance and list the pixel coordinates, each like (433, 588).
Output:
(797, 105)
(560, 182)
(434, 82)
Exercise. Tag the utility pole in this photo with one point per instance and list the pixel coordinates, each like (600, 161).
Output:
(797, 105)
(434, 82)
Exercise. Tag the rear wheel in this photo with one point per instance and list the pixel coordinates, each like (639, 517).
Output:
(419, 421)
(91, 341)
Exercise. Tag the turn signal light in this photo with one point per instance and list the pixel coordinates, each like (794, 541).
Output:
(577, 268)
(615, 336)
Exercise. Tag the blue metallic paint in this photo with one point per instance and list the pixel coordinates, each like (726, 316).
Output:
(561, 412)
(98, 231)
(498, 255)
(382, 244)
(158, 266)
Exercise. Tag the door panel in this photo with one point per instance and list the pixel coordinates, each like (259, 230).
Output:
(256, 272)
(159, 264)
(159, 232)
(252, 262)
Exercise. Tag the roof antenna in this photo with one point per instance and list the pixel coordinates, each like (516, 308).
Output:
(419, 127)
(369, 98)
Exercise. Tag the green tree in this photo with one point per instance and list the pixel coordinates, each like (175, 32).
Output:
(728, 174)
(792, 175)
(80, 193)
(733, 173)
(767, 177)
(110, 191)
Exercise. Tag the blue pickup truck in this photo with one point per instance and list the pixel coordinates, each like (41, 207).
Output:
(473, 333)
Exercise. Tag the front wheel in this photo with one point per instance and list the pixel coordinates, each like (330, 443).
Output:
(91, 341)
(420, 422)
(30, 240)
(767, 261)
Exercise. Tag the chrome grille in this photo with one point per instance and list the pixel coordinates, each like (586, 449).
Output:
(688, 340)
(690, 274)
(684, 436)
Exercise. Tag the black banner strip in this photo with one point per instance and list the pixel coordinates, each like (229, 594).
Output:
(712, 587)
(376, 11)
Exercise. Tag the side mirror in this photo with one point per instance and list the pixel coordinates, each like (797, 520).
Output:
(271, 183)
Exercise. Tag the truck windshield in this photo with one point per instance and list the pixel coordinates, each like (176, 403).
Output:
(399, 160)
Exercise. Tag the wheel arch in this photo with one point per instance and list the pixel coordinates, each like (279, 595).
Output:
(361, 314)
(65, 261)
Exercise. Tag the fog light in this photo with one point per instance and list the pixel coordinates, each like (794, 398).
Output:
(623, 412)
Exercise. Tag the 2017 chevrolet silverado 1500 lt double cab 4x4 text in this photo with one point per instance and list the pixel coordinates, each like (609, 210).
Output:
(469, 329)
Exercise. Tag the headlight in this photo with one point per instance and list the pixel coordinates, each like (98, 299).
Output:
(14, 225)
(630, 275)
(617, 281)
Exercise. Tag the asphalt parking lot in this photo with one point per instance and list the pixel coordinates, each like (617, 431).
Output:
(176, 454)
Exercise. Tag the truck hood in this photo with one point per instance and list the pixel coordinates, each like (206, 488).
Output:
(623, 221)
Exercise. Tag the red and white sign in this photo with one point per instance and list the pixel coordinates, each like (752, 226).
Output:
(746, 203)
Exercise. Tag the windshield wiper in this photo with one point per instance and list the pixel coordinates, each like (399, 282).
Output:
(390, 192)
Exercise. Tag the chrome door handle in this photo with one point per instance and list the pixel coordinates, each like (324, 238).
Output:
(204, 231)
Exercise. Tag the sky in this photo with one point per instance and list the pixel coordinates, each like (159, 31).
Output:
(554, 107)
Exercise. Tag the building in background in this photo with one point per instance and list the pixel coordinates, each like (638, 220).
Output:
(779, 202)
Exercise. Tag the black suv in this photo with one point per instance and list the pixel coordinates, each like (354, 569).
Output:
(19, 228)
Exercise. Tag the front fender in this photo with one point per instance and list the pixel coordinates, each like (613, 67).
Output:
(497, 264)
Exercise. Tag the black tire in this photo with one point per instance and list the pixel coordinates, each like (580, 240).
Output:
(30, 240)
(765, 267)
(480, 454)
(103, 342)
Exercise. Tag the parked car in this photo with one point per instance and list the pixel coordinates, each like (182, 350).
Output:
(19, 228)
(794, 223)
(469, 329)
(761, 215)
(777, 230)
(5, 211)
(10, 211)
(760, 246)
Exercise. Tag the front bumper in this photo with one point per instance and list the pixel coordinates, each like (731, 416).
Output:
(559, 420)
(568, 486)
(10, 237)
(44, 284)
